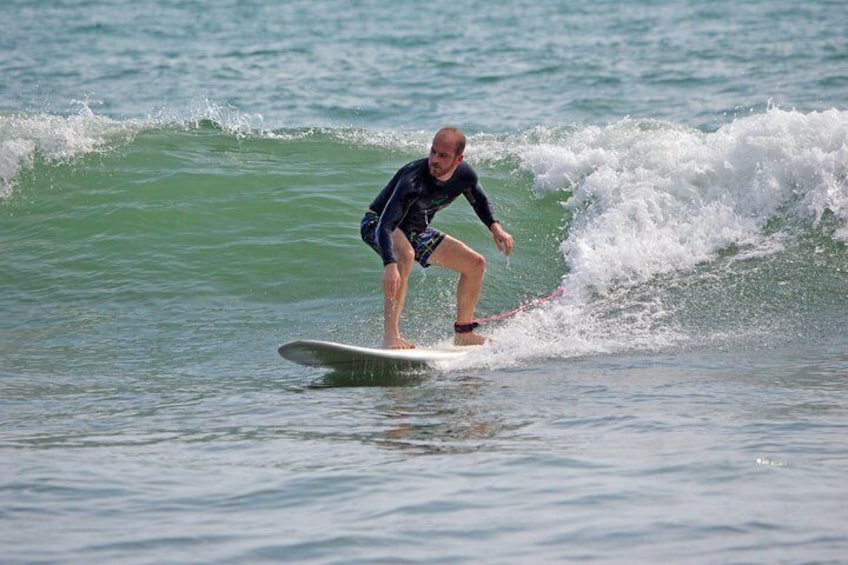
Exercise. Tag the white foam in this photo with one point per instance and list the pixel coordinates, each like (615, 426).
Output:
(652, 200)
(24, 138)
(55, 139)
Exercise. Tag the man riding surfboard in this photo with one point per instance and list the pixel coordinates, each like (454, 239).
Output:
(397, 226)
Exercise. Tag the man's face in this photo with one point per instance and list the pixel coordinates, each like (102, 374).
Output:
(443, 158)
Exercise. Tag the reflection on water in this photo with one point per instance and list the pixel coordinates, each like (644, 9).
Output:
(438, 416)
(422, 411)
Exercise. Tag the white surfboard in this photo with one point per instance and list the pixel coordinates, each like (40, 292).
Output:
(353, 358)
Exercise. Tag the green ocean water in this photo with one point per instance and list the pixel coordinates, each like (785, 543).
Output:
(208, 225)
(204, 224)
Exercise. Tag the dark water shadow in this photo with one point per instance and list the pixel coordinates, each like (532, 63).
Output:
(382, 378)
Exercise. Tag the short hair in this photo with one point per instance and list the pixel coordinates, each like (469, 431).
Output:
(457, 133)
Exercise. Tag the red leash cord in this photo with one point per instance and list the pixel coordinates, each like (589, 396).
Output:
(529, 304)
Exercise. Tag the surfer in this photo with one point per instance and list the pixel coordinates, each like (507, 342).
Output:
(397, 226)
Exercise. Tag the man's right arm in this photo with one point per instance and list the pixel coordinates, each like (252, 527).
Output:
(393, 213)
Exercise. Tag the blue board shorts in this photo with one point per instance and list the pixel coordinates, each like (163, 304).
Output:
(423, 243)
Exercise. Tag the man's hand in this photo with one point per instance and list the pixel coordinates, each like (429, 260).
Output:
(503, 240)
(391, 280)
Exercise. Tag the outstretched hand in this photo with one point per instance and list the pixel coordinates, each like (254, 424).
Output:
(503, 240)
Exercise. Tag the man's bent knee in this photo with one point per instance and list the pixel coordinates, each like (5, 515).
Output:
(405, 256)
(403, 251)
(476, 264)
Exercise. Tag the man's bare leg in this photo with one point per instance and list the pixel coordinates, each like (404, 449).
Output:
(393, 306)
(471, 266)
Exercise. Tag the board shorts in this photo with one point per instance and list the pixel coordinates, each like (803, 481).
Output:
(423, 243)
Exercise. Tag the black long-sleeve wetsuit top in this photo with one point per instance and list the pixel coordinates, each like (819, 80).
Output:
(413, 196)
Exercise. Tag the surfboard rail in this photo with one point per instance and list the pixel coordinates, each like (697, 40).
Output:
(347, 357)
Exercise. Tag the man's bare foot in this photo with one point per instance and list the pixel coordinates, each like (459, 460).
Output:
(397, 343)
(468, 338)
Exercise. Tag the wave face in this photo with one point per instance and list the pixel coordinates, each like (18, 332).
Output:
(661, 234)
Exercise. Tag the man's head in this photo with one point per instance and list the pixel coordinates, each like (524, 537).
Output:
(446, 152)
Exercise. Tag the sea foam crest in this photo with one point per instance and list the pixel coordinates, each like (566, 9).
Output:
(55, 139)
(58, 139)
(650, 197)
(649, 200)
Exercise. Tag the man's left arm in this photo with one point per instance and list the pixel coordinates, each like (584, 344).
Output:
(480, 202)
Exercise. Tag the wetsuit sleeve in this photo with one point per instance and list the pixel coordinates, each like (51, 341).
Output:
(480, 202)
(393, 213)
